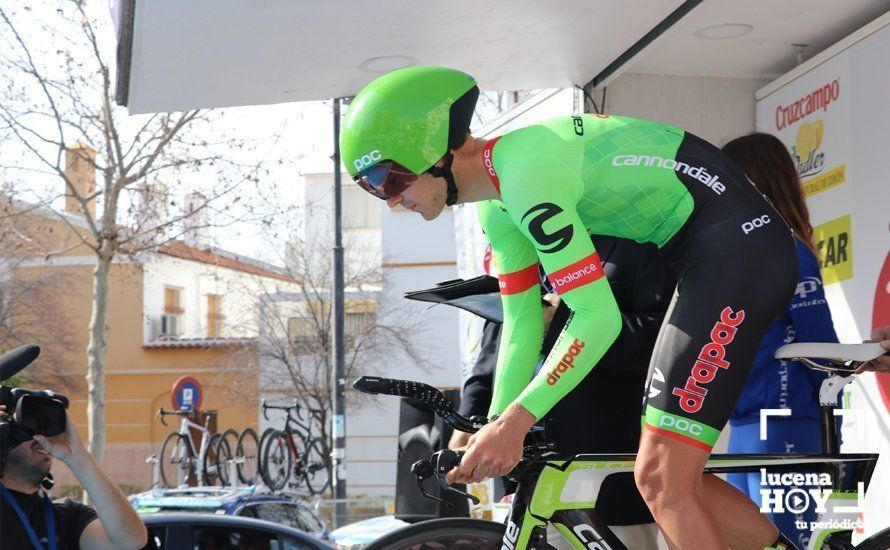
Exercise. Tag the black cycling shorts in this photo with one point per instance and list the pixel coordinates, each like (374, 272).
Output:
(736, 272)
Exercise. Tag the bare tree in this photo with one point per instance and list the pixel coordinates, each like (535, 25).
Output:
(57, 100)
(294, 348)
(29, 314)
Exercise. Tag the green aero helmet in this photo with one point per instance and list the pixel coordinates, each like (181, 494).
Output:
(404, 122)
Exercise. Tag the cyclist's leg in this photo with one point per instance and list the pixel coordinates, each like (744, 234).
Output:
(785, 435)
(668, 474)
(737, 514)
(732, 285)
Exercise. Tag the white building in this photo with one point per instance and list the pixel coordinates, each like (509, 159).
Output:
(406, 255)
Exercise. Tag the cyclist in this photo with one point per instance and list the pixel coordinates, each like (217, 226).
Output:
(557, 181)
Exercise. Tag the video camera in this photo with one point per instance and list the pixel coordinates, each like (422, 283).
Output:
(28, 412)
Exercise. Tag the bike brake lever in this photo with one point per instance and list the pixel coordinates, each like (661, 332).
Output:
(445, 460)
(430, 495)
(423, 470)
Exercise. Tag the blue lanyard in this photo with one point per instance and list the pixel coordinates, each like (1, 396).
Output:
(48, 514)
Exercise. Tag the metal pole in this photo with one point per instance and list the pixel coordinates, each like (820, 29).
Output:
(338, 431)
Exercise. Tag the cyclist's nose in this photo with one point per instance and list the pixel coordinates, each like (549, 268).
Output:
(393, 202)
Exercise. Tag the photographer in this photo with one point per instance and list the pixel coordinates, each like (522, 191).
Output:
(29, 520)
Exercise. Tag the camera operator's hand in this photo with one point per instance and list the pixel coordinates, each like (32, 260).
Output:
(66, 446)
(118, 525)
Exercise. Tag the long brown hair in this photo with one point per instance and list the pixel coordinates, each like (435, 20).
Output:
(767, 162)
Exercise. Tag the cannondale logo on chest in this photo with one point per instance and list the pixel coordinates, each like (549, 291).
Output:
(567, 362)
(700, 173)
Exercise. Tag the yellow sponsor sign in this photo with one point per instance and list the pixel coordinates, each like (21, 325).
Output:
(825, 181)
(835, 242)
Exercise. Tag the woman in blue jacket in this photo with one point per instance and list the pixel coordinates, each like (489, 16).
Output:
(775, 384)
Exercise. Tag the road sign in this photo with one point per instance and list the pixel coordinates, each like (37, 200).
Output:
(187, 394)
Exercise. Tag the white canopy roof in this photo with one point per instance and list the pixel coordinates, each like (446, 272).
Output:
(181, 54)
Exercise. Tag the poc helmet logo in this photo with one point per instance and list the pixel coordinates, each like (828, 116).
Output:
(367, 160)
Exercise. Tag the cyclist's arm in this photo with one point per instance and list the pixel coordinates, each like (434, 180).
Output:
(523, 328)
(541, 198)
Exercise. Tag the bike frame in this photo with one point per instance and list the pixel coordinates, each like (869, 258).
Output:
(563, 492)
(184, 430)
(293, 449)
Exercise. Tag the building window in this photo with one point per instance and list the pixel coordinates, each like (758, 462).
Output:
(171, 301)
(214, 316)
(300, 332)
(359, 318)
(365, 211)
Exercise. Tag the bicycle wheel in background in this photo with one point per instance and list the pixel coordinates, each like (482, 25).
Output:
(317, 467)
(247, 457)
(263, 438)
(224, 453)
(177, 463)
(278, 461)
(210, 465)
(451, 533)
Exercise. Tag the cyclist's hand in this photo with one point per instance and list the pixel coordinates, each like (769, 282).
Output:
(458, 440)
(495, 449)
(882, 363)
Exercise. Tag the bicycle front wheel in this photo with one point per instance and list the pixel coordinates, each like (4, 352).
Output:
(227, 442)
(267, 433)
(210, 466)
(247, 455)
(277, 461)
(177, 463)
(451, 533)
(317, 467)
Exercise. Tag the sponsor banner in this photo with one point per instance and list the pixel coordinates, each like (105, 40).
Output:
(711, 358)
(826, 181)
(812, 118)
(580, 273)
(519, 281)
(686, 429)
(835, 242)
(858, 294)
(566, 362)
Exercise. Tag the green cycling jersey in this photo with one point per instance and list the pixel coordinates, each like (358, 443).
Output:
(559, 181)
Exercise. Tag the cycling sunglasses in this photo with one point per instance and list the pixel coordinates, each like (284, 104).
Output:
(385, 180)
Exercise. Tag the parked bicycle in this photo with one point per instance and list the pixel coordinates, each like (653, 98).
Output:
(562, 490)
(181, 459)
(293, 455)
